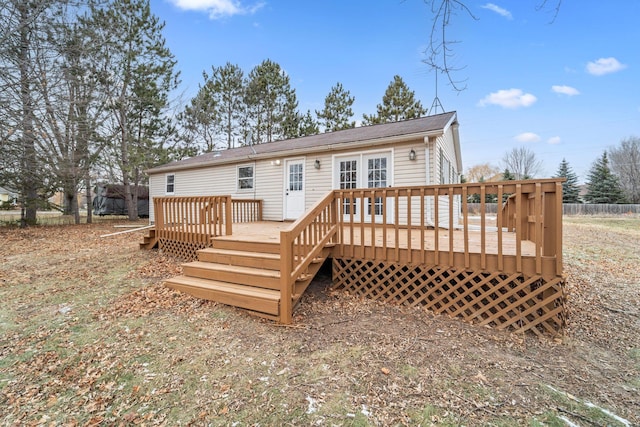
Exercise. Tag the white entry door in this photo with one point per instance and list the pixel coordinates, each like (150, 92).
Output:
(294, 189)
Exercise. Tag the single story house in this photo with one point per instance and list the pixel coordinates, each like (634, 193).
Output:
(374, 200)
(289, 176)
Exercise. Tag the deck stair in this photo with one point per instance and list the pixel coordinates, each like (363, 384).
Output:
(242, 273)
(150, 240)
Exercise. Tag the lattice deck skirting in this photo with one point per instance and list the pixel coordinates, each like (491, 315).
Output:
(187, 251)
(485, 298)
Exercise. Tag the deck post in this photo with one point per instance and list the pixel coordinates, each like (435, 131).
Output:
(552, 239)
(228, 215)
(286, 262)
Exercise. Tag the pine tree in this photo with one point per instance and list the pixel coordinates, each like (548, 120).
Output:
(602, 185)
(271, 103)
(141, 76)
(201, 121)
(308, 125)
(398, 103)
(508, 176)
(337, 112)
(229, 91)
(570, 189)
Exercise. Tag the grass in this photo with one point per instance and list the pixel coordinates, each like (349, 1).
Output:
(132, 352)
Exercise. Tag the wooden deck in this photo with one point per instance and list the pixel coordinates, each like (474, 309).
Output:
(269, 232)
(503, 271)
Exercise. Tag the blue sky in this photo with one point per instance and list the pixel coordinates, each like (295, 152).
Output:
(564, 89)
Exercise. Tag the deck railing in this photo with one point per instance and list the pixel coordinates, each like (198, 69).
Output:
(192, 219)
(301, 243)
(425, 225)
(246, 210)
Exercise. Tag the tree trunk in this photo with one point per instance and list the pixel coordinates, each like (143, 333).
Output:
(29, 187)
(87, 184)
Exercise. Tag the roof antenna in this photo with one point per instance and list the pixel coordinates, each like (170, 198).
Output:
(436, 101)
(250, 141)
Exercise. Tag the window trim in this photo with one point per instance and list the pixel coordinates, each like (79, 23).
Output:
(167, 184)
(252, 178)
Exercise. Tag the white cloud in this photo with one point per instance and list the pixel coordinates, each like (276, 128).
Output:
(603, 66)
(565, 90)
(554, 140)
(218, 8)
(527, 137)
(508, 98)
(497, 9)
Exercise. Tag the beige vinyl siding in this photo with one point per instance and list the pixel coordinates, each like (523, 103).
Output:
(318, 181)
(269, 186)
(223, 179)
(156, 188)
(409, 172)
(445, 144)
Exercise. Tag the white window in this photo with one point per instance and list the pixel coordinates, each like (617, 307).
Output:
(445, 169)
(170, 187)
(245, 177)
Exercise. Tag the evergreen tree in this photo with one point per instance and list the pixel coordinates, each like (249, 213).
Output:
(475, 197)
(308, 125)
(337, 112)
(291, 119)
(602, 185)
(141, 76)
(212, 118)
(271, 103)
(229, 92)
(570, 189)
(398, 103)
(508, 176)
(201, 122)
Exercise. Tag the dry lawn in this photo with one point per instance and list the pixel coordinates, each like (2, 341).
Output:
(88, 336)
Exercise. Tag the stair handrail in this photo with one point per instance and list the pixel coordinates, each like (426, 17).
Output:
(301, 243)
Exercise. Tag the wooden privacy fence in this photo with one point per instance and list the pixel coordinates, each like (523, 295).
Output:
(185, 224)
(413, 245)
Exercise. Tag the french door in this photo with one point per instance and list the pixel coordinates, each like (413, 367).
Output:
(369, 170)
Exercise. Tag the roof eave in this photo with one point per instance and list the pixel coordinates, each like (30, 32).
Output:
(298, 151)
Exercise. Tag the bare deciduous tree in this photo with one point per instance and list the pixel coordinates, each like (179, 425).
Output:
(625, 163)
(440, 50)
(483, 172)
(522, 163)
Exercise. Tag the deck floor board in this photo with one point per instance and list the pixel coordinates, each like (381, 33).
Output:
(269, 232)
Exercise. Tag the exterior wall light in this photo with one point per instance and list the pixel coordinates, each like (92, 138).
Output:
(275, 162)
(316, 164)
(412, 154)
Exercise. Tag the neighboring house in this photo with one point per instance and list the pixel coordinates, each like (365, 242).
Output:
(289, 176)
(7, 196)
